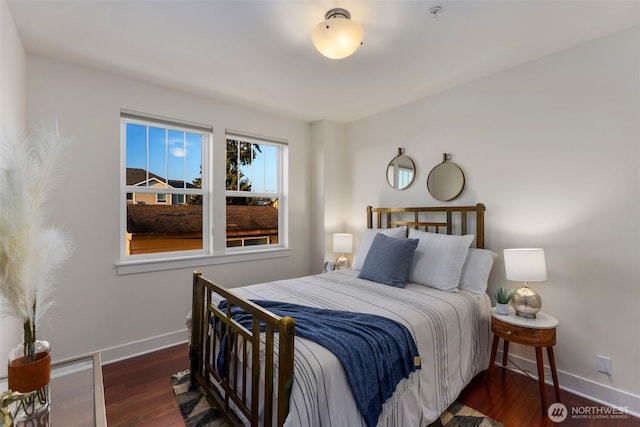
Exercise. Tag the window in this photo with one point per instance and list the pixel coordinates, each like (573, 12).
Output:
(161, 198)
(163, 188)
(405, 176)
(254, 191)
(167, 212)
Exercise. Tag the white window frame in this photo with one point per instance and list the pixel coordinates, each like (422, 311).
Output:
(206, 133)
(280, 193)
(214, 241)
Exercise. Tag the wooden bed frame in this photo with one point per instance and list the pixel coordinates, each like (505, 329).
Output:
(231, 389)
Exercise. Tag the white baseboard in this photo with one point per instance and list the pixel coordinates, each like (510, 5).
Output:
(583, 387)
(147, 345)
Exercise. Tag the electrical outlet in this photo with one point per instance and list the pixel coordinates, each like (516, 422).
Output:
(604, 364)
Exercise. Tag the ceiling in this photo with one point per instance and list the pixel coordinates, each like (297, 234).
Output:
(259, 53)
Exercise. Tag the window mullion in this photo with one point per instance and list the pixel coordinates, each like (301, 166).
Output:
(251, 145)
(184, 160)
(168, 190)
(238, 157)
(166, 157)
(147, 156)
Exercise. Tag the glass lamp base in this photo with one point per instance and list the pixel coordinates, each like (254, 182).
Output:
(526, 315)
(342, 262)
(526, 302)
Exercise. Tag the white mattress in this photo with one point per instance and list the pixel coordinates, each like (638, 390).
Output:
(451, 330)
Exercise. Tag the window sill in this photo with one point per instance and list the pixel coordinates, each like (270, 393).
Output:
(148, 265)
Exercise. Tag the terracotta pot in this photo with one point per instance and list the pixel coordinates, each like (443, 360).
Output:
(31, 378)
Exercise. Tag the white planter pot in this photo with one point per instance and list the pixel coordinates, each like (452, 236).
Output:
(502, 308)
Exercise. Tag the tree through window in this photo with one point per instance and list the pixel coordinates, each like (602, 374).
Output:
(253, 191)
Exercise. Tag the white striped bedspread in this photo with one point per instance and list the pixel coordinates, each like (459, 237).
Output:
(451, 331)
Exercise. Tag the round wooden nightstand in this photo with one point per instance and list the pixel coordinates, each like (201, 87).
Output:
(539, 332)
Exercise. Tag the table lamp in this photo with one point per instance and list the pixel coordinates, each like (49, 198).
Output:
(342, 244)
(525, 265)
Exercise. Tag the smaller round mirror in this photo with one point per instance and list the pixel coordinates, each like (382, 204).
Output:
(445, 181)
(401, 171)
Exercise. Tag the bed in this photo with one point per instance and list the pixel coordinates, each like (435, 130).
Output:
(299, 382)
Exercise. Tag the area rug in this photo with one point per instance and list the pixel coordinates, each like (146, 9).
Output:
(194, 406)
(198, 412)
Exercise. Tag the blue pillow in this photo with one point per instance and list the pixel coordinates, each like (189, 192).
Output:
(388, 260)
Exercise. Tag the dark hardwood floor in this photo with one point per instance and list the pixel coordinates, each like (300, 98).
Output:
(514, 400)
(138, 393)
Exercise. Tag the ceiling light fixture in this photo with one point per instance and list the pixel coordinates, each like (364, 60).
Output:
(337, 36)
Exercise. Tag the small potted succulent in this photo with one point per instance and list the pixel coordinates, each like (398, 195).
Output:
(503, 296)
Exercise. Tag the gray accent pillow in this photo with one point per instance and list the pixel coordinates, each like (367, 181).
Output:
(367, 238)
(388, 260)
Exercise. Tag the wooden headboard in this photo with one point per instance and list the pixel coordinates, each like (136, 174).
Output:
(437, 219)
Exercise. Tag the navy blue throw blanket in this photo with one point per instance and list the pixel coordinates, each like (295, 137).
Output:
(376, 352)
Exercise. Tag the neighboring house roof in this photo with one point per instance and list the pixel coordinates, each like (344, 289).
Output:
(172, 219)
(137, 176)
(151, 183)
(175, 219)
(242, 219)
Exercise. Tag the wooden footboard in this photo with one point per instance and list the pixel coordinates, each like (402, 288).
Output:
(246, 389)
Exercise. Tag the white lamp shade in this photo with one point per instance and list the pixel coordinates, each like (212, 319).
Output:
(337, 37)
(342, 243)
(525, 265)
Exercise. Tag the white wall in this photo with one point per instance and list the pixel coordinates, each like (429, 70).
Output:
(552, 148)
(330, 175)
(12, 74)
(12, 120)
(97, 309)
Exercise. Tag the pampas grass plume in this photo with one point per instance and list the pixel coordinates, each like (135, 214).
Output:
(30, 251)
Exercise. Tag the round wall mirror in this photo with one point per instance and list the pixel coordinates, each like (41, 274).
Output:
(445, 181)
(401, 171)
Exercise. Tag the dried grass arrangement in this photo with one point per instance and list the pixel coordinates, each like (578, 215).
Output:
(30, 250)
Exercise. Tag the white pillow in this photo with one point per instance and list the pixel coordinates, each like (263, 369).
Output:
(438, 259)
(476, 270)
(367, 238)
